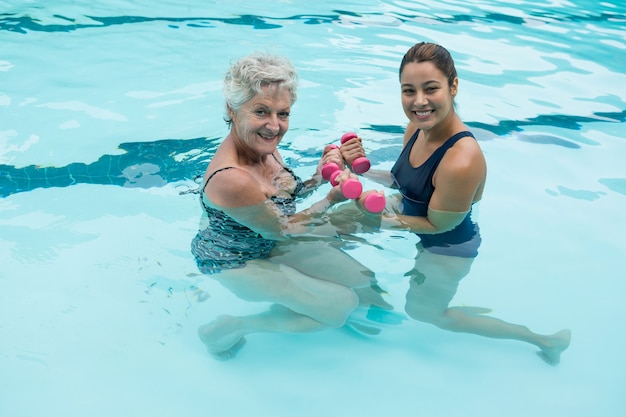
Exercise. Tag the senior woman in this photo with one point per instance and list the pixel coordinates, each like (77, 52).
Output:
(252, 239)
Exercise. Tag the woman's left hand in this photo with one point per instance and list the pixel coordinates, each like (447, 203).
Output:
(331, 154)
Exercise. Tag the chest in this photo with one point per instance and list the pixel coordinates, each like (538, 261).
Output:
(283, 183)
(420, 152)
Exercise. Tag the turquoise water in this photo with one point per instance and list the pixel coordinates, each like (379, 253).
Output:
(109, 110)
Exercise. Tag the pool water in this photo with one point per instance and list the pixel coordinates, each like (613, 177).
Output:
(108, 112)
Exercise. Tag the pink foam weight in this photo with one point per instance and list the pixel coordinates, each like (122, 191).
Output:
(374, 202)
(351, 188)
(328, 169)
(361, 165)
(347, 136)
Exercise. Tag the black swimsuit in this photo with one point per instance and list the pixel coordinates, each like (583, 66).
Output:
(416, 187)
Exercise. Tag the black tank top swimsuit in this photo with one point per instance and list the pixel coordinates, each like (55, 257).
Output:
(416, 187)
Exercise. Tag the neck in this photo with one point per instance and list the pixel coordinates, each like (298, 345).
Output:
(444, 130)
(244, 154)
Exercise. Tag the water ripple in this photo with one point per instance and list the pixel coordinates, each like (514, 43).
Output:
(154, 164)
(23, 23)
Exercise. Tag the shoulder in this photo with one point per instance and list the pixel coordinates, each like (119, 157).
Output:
(464, 159)
(234, 187)
(466, 151)
(460, 177)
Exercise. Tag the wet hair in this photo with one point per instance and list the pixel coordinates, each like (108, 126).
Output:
(438, 55)
(245, 78)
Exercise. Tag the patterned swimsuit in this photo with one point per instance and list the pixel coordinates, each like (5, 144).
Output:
(225, 243)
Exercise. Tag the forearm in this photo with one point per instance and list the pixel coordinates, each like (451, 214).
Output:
(435, 222)
(311, 184)
(379, 176)
(312, 221)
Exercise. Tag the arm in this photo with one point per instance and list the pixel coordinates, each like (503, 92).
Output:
(240, 195)
(349, 219)
(458, 181)
(436, 221)
(380, 176)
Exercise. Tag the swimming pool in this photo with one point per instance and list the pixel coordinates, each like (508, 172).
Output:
(108, 112)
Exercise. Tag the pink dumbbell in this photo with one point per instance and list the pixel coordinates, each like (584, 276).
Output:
(374, 202)
(350, 188)
(361, 164)
(329, 168)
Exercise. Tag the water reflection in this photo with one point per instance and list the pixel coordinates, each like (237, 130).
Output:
(434, 280)
(311, 284)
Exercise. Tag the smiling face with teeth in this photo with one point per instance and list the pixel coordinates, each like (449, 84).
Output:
(427, 96)
(262, 121)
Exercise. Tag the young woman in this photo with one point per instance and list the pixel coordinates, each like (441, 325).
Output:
(440, 175)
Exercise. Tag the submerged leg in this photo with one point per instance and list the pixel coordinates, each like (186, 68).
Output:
(302, 304)
(433, 285)
(328, 262)
(224, 336)
(464, 320)
(551, 346)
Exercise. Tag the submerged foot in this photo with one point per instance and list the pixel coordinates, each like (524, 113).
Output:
(558, 342)
(222, 338)
(229, 353)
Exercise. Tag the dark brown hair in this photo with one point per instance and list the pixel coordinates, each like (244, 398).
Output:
(438, 55)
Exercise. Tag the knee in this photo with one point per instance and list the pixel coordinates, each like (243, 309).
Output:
(338, 308)
(424, 314)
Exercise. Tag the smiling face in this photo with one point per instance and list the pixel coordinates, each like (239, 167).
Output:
(427, 98)
(262, 121)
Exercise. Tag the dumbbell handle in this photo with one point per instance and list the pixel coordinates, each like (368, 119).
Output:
(328, 169)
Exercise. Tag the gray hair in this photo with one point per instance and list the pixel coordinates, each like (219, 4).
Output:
(245, 78)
